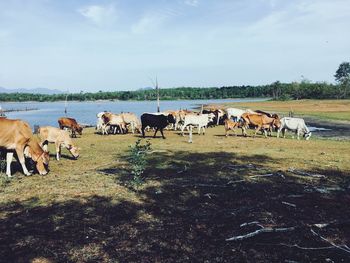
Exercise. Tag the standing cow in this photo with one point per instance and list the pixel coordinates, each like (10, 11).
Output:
(260, 121)
(201, 121)
(16, 135)
(60, 138)
(294, 124)
(72, 124)
(158, 121)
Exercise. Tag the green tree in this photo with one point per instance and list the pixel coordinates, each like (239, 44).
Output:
(342, 76)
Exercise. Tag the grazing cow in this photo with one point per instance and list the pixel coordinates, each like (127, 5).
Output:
(158, 121)
(294, 124)
(236, 113)
(201, 121)
(132, 120)
(60, 138)
(230, 125)
(71, 124)
(260, 121)
(115, 121)
(16, 135)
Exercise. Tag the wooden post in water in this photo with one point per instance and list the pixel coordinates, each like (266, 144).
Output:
(66, 104)
(157, 88)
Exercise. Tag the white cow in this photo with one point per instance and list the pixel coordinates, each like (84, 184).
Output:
(237, 113)
(294, 124)
(201, 121)
(100, 123)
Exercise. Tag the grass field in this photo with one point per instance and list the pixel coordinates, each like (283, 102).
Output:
(195, 197)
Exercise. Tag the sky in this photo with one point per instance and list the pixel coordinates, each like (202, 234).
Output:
(92, 45)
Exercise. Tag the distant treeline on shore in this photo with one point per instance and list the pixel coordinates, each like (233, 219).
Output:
(276, 90)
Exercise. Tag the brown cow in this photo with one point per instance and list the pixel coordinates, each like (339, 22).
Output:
(71, 124)
(230, 125)
(260, 121)
(60, 138)
(17, 135)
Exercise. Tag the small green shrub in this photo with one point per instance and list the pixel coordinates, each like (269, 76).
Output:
(138, 162)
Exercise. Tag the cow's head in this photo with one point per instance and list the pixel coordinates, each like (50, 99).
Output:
(79, 130)
(170, 118)
(211, 117)
(74, 150)
(276, 122)
(307, 135)
(41, 158)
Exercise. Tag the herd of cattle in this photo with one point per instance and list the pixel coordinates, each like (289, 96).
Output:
(17, 136)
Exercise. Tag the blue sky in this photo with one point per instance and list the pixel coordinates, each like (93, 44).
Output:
(120, 44)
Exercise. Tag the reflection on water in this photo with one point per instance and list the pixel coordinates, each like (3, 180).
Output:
(85, 112)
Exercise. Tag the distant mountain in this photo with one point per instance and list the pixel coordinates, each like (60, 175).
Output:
(146, 88)
(32, 91)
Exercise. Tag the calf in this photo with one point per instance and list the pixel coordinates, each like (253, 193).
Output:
(294, 124)
(230, 125)
(16, 135)
(201, 121)
(158, 121)
(60, 138)
(71, 124)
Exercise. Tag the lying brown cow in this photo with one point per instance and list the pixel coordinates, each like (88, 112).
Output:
(71, 124)
(230, 125)
(16, 135)
(260, 121)
(60, 138)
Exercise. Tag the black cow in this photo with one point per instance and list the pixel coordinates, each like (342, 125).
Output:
(215, 120)
(157, 121)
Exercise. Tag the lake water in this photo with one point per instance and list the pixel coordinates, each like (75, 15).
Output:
(85, 112)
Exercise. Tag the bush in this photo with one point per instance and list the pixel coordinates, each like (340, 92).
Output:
(138, 162)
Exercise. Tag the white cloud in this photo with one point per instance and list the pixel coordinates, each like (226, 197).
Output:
(99, 14)
(192, 2)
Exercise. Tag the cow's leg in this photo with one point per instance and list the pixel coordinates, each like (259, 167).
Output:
(161, 131)
(265, 133)
(154, 136)
(203, 130)
(298, 134)
(244, 132)
(9, 156)
(132, 127)
(58, 150)
(143, 131)
(182, 130)
(20, 155)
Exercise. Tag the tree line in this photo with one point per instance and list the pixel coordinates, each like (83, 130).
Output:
(276, 90)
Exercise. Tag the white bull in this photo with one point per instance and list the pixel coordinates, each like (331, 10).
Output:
(237, 113)
(294, 124)
(201, 121)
